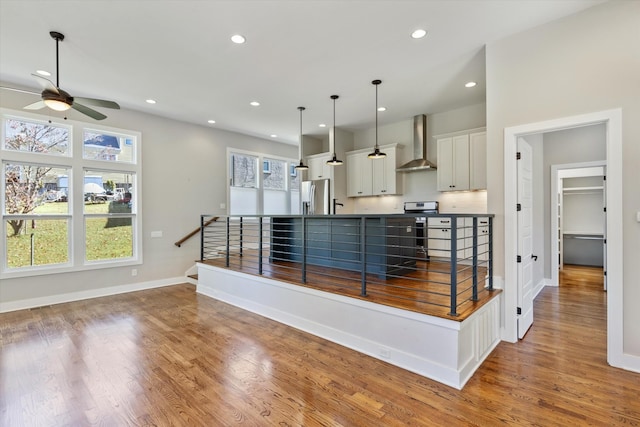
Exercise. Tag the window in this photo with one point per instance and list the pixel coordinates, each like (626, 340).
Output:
(69, 199)
(271, 189)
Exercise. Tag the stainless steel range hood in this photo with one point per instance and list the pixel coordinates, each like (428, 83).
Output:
(419, 161)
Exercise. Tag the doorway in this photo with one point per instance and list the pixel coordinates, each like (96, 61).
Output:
(578, 217)
(612, 120)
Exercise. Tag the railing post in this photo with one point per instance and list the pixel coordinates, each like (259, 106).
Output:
(260, 247)
(474, 260)
(228, 246)
(201, 237)
(363, 255)
(490, 253)
(241, 236)
(303, 223)
(454, 266)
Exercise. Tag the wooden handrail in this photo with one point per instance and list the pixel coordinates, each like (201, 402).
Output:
(194, 232)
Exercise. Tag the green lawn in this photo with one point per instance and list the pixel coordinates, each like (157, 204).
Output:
(106, 238)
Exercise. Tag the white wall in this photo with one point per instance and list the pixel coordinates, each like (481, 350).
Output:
(184, 175)
(584, 63)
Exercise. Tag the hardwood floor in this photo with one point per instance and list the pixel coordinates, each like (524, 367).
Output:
(169, 356)
(423, 288)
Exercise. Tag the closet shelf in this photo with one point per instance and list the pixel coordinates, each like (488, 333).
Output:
(582, 190)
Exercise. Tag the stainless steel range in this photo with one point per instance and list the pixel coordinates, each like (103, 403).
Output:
(421, 221)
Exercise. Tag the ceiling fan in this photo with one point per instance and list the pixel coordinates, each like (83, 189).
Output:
(60, 100)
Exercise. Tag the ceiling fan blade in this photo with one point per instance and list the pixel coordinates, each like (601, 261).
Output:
(35, 106)
(97, 102)
(20, 90)
(45, 84)
(88, 111)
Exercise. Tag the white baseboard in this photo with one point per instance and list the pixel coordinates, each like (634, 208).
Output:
(82, 295)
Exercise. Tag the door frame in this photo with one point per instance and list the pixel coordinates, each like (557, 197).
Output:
(581, 170)
(613, 122)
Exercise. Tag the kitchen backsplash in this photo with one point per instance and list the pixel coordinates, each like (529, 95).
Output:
(453, 202)
(463, 202)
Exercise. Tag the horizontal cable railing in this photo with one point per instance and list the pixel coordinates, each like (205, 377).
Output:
(382, 257)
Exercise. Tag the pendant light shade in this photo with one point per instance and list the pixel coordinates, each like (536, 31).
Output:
(334, 160)
(376, 154)
(301, 166)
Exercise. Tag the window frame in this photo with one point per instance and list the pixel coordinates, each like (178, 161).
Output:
(76, 217)
(261, 159)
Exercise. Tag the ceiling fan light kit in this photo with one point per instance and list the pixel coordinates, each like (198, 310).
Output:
(60, 100)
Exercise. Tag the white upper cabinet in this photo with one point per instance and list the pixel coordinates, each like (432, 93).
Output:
(385, 177)
(453, 163)
(478, 161)
(462, 162)
(318, 167)
(359, 173)
(372, 177)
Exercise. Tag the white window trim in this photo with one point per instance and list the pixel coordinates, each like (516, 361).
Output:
(259, 185)
(77, 165)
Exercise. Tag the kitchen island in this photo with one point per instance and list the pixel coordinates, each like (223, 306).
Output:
(337, 241)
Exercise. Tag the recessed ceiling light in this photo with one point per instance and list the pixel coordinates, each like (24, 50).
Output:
(211, 121)
(255, 103)
(43, 73)
(322, 125)
(382, 108)
(151, 101)
(273, 135)
(470, 84)
(418, 34)
(238, 39)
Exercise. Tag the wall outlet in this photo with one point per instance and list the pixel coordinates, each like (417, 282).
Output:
(385, 353)
(223, 206)
(134, 272)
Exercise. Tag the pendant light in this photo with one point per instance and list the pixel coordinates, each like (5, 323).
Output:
(301, 166)
(377, 154)
(334, 161)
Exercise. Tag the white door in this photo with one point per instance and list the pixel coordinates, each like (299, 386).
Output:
(525, 237)
(604, 232)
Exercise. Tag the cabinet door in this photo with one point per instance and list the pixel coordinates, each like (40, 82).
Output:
(453, 163)
(318, 168)
(439, 237)
(460, 163)
(359, 175)
(478, 161)
(384, 174)
(445, 164)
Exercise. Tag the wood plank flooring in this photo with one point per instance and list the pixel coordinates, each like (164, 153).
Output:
(424, 288)
(171, 357)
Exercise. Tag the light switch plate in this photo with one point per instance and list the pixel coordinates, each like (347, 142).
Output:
(638, 216)
(156, 234)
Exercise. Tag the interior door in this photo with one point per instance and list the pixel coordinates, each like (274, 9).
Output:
(525, 237)
(604, 232)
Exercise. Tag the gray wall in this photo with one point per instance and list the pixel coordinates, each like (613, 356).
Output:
(184, 175)
(584, 63)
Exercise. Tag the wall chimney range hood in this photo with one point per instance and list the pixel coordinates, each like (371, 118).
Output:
(419, 161)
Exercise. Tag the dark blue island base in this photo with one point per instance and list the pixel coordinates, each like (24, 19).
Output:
(337, 242)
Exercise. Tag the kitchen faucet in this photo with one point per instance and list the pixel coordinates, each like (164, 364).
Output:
(335, 203)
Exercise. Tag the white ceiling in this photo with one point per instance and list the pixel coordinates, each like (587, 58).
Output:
(298, 53)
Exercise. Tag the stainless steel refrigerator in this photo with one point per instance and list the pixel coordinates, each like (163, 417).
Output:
(315, 197)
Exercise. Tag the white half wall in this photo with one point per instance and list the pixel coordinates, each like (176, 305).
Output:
(444, 350)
